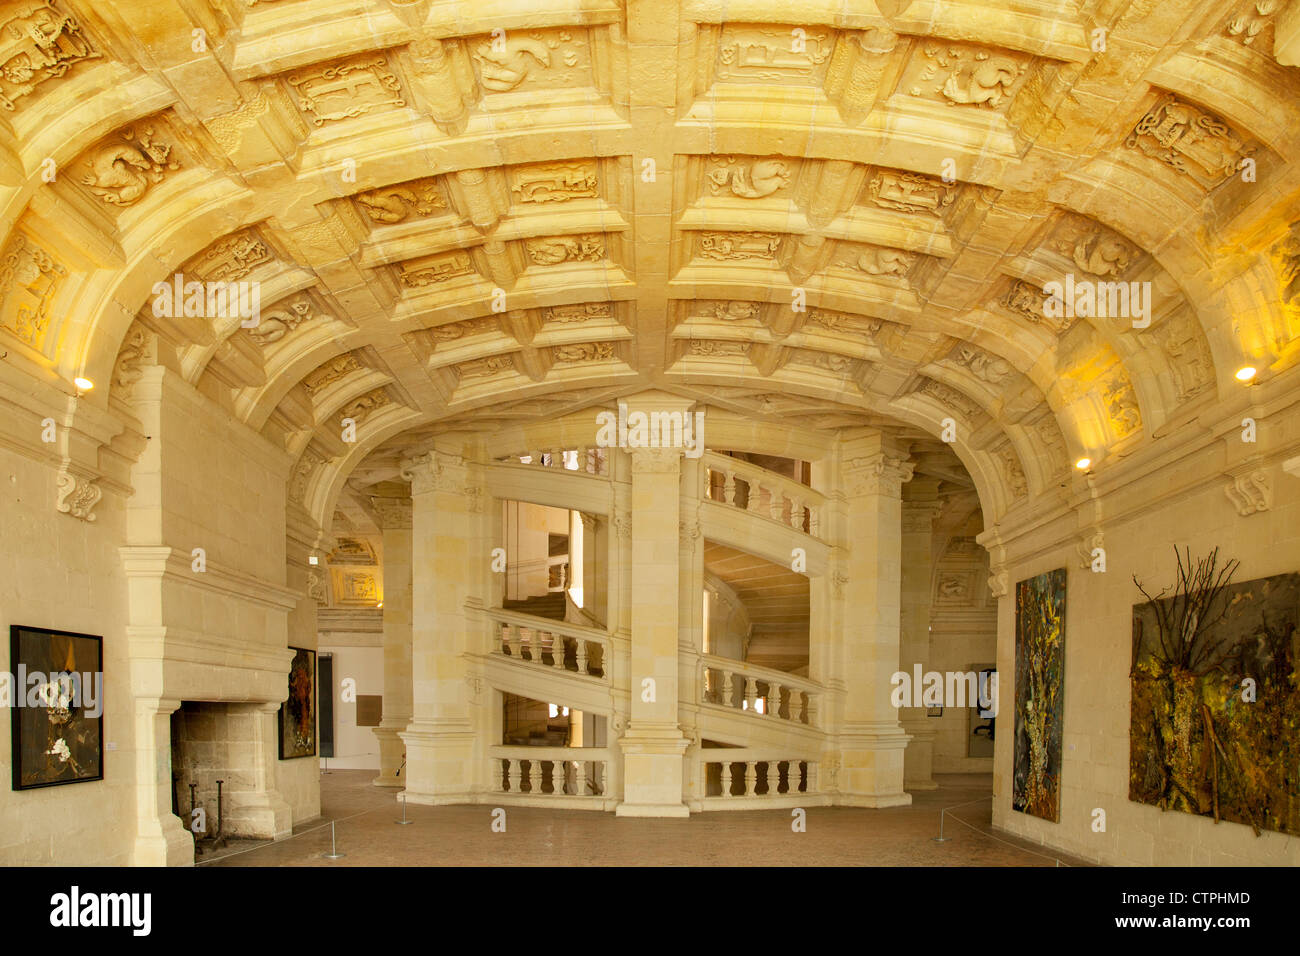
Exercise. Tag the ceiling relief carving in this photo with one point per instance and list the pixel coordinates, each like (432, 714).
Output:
(738, 245)
(1191, 140)
(435, 269)
(910, 192)
(42, 43)
(125, 166)
(552, 250)
(521, 61)
(748, 179)
(962, 75)
(30, 279)
(420, 197)
(553, 182)
(340, 91)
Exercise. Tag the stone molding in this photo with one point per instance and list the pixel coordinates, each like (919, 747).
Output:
(877, 475)
(395, 514)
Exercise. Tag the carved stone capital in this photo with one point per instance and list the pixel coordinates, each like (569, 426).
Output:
(658, 461)
(1250, 493)
(999, 584)
(622, 522)
(393, 513)
(877, 475)
(588, 522)
(918, 516)
(436, 471)
(1086, 545)
(78, 494)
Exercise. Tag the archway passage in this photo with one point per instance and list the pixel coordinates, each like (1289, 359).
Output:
(961, 295)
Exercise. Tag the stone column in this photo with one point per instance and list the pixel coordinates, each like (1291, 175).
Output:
(395, 516)
(653, 744)
(871, 741)
(161, 838)
(445, 555)
(920, 509)
(253, 741)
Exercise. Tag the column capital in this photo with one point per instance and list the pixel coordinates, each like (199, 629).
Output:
(656, 460)
(877, 474)
(918, 516)
(436, 471)
(394, 513)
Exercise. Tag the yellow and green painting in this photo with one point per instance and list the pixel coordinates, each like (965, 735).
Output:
(1215, 713)
(1040, 694)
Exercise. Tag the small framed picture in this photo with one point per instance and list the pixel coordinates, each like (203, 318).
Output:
(298, 713)
(57, 714)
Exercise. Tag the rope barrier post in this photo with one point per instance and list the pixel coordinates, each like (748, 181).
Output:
(334, 853)
(403, 822)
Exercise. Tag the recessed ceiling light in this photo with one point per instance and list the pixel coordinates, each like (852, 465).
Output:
(1083, 464)
(84, 384)
(1245, 373)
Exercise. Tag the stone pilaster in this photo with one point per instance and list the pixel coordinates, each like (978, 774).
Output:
(161, 839)
(653, 745)
(395, 517)
(870, 739)
(260, 810)
(920, 509)
(445, 546)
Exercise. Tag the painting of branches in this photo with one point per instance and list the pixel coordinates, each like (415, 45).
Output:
(1215, 715)
(1040, 687)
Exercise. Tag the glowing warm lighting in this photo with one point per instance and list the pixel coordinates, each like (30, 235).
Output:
(84, 384)
(312, 559)
(1083, 464)
(380, 604)
(1245, 373)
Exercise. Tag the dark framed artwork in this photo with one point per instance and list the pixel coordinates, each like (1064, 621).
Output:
(1040, 695)
(298, 712)
(57, 718)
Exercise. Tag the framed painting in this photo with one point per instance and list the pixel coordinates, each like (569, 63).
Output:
(298, 712)
(1040, 695)
(57, 714)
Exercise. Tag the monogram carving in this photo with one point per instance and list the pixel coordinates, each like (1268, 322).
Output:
(346, 90)
(29, 281)
(910, 192)
(1192, 141)
(40, 44)
(553, 182)
(739, 245)
(436, 269)
(232, 258)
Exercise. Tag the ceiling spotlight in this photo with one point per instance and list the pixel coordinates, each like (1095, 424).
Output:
(381, 604)
(83, 384)
(1246, 373)
(1083, 464)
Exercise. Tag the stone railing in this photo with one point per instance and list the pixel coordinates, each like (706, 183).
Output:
(590, 459)
(549, 643)
(736, 773)
(760, 691)
(548, 772)
(763, 492)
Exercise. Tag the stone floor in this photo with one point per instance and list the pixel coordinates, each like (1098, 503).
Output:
(462, 836)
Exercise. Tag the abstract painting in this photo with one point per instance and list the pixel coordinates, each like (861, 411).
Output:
(298, 713)
(1040, 694)
(1215, 709)
(57, 711)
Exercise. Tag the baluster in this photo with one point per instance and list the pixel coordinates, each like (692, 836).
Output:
(582, 655)
(750, 777)
(729, 487)
(774, 778)
(751, 693)
(809, 776)
(797, 696)
(728, 688)
(557, 778)
(557, 651)
(812, 522)
(754, 492)
(515, 771)
(708, 482)
(775, 504)
(796, 513)
(773, 699)
(515, 639)
(598, 769)
(535, 649)
(579, 777)
(535, 777)
(809, 708)
(726, 778)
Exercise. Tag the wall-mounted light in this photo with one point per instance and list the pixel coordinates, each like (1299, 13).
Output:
(1246, 373)
(313, 560)
(83, 384)
(1083, 464)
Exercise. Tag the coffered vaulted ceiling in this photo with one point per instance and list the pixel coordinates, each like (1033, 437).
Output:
(483, 214)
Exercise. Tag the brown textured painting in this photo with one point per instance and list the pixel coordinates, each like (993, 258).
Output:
(298, 713)
(1215, 714)
(1040, 695)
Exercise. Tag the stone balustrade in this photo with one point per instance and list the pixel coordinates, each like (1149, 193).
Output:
(736, 774)
(765, 493)
(590, 459)
(548, 772)
(742, 686)
(549, 643)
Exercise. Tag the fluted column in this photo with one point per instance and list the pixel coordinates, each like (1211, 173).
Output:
(653, 744)
(447, 558)
(870, 739)
(920, 508)
(395, 517)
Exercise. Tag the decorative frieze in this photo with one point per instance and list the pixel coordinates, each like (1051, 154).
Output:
(553, 182)
(738, 245)
(436, 269)
(910, 192)
(709, 347)
(585, 312)
(486, 367)
(583, 352)
(772, 53)
(463, 329)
